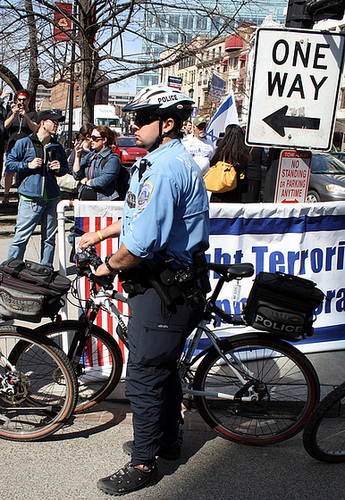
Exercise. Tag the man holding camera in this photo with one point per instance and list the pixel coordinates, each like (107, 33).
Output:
(38, 159)
(19, 123)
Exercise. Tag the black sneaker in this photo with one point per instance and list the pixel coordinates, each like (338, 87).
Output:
(129, 478)
(172, 452)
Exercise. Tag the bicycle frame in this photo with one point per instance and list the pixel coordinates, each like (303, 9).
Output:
(189, 359)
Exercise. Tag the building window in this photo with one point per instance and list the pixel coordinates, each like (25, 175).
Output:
(342, 99)
(201, 23)
(187, 22)
(239, 106)
(172, 38)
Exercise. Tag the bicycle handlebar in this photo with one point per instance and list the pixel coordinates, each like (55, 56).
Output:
(77, 230)
(87, 257)
(103, 281)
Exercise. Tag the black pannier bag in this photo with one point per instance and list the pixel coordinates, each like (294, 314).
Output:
(30, 291)
(283, 304)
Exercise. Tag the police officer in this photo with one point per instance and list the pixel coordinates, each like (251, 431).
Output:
(164, 226)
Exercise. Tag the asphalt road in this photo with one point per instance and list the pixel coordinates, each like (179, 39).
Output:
(67, 467)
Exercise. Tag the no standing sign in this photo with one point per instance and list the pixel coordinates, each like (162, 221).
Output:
(296, 81)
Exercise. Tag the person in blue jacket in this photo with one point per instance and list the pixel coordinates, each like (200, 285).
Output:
(163, 233)
(38, 159)
(99, 170)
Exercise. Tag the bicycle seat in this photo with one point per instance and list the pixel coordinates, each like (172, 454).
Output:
(232, 271)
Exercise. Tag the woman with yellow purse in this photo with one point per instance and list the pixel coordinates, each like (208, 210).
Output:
(228, 167)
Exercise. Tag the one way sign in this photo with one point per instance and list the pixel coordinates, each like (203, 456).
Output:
(295, 87)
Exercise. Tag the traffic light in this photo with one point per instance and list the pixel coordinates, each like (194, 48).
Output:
(304, 13)
(297, 15)
(326, 9)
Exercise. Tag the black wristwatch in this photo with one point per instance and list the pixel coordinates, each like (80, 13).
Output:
(106, 262)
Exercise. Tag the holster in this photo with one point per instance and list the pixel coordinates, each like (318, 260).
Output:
(172, 285)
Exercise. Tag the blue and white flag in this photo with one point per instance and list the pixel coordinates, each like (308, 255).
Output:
(226, 115)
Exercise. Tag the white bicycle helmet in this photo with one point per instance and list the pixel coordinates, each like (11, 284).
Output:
(162, 100)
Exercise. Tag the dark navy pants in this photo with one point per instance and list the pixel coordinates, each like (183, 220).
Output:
(156, 340)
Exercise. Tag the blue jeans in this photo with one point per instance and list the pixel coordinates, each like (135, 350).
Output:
(30, 213)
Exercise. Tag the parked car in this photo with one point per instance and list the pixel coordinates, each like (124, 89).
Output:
(125, 147)
(327, 178)
(338, 154)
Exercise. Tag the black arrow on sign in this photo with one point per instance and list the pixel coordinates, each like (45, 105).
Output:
(279, 121)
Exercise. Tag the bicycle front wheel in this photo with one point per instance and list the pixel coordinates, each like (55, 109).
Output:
(38, 394)
(324, 433)
(269, 398)
(100, 366)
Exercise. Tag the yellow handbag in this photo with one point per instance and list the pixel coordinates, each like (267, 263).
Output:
(221, 178)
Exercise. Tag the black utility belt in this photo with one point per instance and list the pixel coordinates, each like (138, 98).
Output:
(171, 285)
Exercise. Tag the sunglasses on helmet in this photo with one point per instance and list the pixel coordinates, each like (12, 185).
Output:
(142, 119)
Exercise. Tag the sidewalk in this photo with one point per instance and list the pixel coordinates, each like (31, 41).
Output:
(67, 465)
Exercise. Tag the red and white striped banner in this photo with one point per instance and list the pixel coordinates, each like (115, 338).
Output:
(91, 216)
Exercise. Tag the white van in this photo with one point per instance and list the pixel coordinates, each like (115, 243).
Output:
(105, 115)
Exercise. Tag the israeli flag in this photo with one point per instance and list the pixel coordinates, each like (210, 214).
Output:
(226, 115)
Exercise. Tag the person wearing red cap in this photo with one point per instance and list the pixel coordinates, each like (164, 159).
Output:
(19, 123)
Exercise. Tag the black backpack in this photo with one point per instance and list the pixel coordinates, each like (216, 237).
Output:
(122, 179)
(123, 182)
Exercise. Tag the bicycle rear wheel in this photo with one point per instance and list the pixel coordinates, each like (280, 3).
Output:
(100, 367)
(40, 394)
(324, 433)
(277, 374)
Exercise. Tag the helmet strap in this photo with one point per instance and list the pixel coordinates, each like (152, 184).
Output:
(160, 137)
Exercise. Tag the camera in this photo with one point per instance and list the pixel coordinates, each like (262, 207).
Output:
(51, 154)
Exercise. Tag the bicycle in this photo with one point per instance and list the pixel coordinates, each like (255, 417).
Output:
(252, 388)
(324, 433)
(38, 390)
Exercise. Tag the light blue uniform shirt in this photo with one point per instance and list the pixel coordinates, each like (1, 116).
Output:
(167, 210)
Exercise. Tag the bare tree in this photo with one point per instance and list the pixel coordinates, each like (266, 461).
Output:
(101, 30)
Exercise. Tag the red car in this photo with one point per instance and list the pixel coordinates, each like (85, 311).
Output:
(128, 152)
